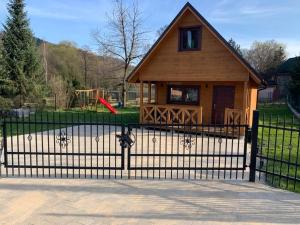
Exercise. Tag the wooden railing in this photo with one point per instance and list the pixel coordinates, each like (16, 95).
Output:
(171, 114)
(235, 116)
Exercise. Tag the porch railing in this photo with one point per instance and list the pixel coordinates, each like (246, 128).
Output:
(171, 114)
(236, 116)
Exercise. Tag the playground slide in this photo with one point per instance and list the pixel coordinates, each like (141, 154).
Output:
(107, 105)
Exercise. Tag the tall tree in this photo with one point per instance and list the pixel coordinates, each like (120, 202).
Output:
(124, 39)
(235, 46)
(21, 60)
(6, 85)
(265, 56)
(85, 61)
(294, 86)
(65, 69)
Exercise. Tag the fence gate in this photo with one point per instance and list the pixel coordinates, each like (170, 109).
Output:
(74, 149)
(184, 152)
(61, 149)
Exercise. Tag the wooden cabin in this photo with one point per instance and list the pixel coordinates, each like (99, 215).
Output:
(197, 77)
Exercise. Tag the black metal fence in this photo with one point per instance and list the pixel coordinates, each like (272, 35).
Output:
(188, 152)
(96, 146)
(61, 147)
(278, 153)
(80, 146)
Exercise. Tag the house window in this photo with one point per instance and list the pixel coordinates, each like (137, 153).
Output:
(187, 95)
(189, 39)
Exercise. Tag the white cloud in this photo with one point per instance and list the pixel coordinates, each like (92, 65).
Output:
(292, 46)
(228, 11)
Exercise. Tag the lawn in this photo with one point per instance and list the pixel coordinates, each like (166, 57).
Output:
(61, 118)
(280, 145)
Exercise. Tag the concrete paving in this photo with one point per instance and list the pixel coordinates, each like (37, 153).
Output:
(61, 201)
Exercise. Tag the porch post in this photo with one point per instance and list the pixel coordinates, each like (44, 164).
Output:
(141, 100)
(149, 92)
(156, 95)
(244, 120)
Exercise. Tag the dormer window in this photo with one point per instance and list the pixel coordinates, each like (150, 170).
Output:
(189, 38)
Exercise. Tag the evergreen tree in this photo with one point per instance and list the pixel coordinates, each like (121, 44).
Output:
(21, 60)
(294, 87)
(6, 85)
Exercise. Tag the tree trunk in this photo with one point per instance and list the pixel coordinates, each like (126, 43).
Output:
(124, 94)
(124, 87)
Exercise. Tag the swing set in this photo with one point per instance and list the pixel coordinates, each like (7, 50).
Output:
(89, 99)
(86, 99)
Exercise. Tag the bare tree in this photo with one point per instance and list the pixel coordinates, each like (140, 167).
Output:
(124, 40)
(45, 61)
(265, 56)
(84, 54)
(161, 30)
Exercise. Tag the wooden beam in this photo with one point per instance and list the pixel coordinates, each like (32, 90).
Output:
(156, 93)
(141, 100)
(149, 92)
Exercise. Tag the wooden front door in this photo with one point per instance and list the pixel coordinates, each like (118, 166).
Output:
(223, 97)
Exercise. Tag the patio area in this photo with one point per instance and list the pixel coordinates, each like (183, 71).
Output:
(50, 201)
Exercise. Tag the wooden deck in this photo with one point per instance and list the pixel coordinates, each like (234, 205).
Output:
(189, 119)
(185, 114)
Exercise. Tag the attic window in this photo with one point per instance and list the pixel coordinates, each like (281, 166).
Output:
(189, 38)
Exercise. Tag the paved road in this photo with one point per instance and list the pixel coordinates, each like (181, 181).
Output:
(50, 201)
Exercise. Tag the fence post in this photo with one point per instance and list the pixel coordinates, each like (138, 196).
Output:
(123, 148)
(254, 137)
(1, 145)
(55, 107)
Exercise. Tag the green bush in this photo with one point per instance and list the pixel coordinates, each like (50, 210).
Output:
(5, 103)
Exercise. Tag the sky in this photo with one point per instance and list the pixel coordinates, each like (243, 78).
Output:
(243, 20)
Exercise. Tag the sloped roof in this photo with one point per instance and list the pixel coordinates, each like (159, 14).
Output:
(288, 66)
(255, 76)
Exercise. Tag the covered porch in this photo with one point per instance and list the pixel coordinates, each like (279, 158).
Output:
(156, 108)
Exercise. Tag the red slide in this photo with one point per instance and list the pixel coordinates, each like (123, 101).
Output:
(107, 105)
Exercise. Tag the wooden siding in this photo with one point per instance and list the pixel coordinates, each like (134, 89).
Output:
(253, 102)
(212, 63)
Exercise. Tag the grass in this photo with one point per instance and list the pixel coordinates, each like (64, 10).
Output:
(58, 119)
(280, 145)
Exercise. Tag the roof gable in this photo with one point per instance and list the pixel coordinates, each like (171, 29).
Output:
(189, 9)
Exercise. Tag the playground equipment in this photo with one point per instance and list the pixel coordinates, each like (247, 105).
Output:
(107, 105)
(87, 98)
(90, 98)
